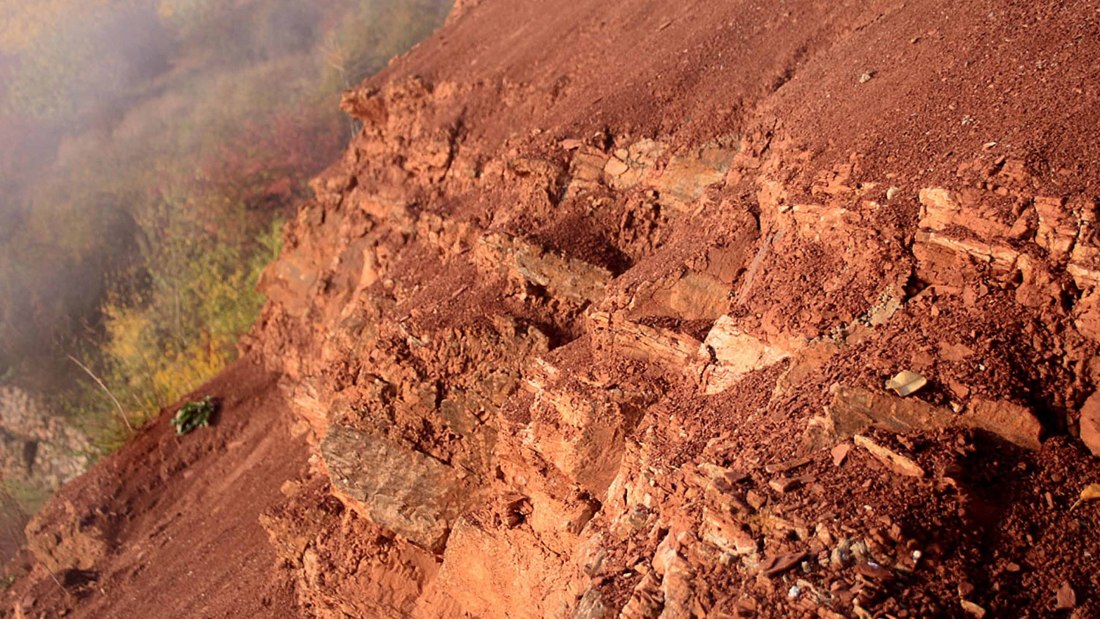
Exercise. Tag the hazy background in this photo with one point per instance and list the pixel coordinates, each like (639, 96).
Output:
(149, 150)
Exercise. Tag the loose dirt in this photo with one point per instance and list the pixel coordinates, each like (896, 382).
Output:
(170, 524)
(595, 318)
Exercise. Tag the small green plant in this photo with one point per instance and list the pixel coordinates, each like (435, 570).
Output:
(193, 415)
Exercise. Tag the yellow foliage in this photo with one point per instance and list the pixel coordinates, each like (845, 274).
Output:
(159, 348)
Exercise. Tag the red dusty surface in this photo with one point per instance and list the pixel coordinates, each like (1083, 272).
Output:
(595, 316)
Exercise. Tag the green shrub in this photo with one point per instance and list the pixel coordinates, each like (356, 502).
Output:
(193, 415)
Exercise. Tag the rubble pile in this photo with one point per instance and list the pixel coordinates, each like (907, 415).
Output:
(714, 309)
(597, 373)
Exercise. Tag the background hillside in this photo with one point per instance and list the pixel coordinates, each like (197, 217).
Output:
(148, 152)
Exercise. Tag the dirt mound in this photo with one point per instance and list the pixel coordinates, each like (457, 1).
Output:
(596, 316)
(169, 525)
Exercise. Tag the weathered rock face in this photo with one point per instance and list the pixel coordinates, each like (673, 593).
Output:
(36, 448)
(1090, 424)
(404, 491)
(38, 453)
(568, 359)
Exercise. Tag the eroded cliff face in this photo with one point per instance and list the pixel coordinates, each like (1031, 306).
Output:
(601, 327)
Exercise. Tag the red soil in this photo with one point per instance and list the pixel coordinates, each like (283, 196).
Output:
(176, 519)
(596, 313)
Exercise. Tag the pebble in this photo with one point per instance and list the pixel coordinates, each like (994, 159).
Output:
(755, 499)
(972, 609)
(840, 453)
(1066, 598)
(874, 571)
(780, 564)
(783, 485)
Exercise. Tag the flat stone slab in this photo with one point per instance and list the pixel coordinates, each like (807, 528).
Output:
(405, 491)
(854, 410)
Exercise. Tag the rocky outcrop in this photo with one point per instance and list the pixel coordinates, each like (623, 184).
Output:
(565, 352)
(38, 449)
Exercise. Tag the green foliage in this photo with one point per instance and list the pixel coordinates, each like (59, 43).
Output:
(193, 415)
(181, 330)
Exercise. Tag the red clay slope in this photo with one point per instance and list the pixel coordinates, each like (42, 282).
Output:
(595, 316)
(169, 526)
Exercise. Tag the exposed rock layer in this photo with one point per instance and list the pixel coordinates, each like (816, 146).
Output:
(594, 317)
(624, 315)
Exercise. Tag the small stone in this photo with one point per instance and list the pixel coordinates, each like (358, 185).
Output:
(866, 77)
(755, 499)
(972, 609)
(1066, 598)
(874, 571)
(571, 144)
(842, 555)
(891, 459)
(779, 564)
(906, 383)
(616, 167)
(783, 485)
(892, 193)
(1012, 567)
(783, 467)
(840, 453)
